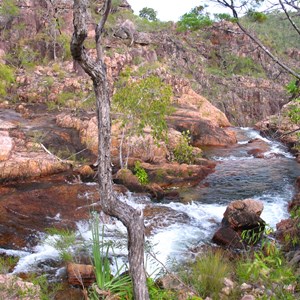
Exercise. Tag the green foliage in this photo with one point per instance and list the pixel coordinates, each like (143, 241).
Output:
(140, 173)
(156, 293)
(294, 111)
(22, 56)
(293, 88)
(148, 13)
(275, 32)
(226, 64)
(9, 8)
(267, 267)
(7, 77)
(183, 152)
(253, 236)
(64, 40)
(269, 270)
(62, 240)
(47, 290)
(206, 274)
(194, 20)
(119, 284)
(7, 263)
(143, 103)
(224, 17)
(256, 16)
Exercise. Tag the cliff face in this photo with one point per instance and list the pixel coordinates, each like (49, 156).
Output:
(218, 62)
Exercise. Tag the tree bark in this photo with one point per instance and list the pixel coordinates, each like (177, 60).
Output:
(130, 217)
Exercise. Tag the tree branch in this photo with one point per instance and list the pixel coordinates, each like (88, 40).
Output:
(99, 29)
(289, 17)
(232, 6)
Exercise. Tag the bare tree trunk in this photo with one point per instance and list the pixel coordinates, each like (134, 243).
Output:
(130, 217)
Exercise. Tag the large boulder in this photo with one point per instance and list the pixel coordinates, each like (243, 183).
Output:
(240, 216)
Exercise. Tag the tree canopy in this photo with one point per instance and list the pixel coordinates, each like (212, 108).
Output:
(148, 13)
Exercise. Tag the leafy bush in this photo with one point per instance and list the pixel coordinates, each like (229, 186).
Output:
(183, 152)
(22, 56)
(194, 20)
(225, 17)
(7, 77)
(140, 173)
(148, 13)
(256, 16)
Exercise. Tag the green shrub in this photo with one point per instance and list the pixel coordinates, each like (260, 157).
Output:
(195, 19)
(63, 239)
(140, 173)
(9, 9)
(256, 16)
(206, 275)
(7, 264)
(7, 77)
(22, 56)
(148, 13)
(156, 293)
(225, 17)
(183, 152)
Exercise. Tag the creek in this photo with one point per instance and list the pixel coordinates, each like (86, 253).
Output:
(178, 227)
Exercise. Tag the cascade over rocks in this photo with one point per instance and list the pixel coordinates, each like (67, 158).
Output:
(280, 126)
(240, 215)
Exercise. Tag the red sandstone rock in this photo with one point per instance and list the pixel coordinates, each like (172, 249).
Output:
(6, 146)
(239, 216)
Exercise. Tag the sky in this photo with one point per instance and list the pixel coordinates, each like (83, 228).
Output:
(168, 10)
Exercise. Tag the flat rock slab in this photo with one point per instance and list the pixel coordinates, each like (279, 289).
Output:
(6, 146)
(5, 125)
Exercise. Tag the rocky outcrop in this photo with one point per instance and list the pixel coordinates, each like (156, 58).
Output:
(206, 124)
(281, 127)
(240, 216)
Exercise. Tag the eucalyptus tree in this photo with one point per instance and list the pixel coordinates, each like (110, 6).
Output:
(111, 205)
(238, 8)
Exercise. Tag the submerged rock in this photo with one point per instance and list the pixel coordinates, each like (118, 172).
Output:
(31, 208)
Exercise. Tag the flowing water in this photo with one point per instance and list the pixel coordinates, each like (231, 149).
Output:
(179, 226)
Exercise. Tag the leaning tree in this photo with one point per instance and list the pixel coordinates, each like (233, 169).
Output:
(111, 205)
